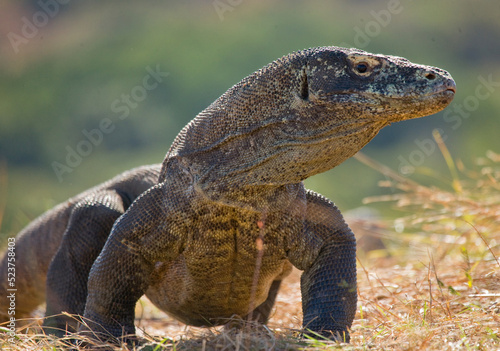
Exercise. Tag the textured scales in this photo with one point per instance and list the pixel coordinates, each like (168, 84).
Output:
(227, 216)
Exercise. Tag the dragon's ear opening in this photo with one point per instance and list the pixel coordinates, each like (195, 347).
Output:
(304, 86)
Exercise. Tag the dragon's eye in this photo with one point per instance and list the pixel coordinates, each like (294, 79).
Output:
(362, 67)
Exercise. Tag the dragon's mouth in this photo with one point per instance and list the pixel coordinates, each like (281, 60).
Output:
(447, 88)
(447, 94)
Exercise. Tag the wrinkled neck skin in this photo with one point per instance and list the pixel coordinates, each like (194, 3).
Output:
(264, 162)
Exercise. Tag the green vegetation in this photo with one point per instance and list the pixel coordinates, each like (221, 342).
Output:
(71, 76)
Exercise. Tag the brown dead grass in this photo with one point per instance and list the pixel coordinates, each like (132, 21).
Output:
(436, 286)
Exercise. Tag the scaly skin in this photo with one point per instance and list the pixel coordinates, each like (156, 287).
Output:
(52, 240)
(229, 214)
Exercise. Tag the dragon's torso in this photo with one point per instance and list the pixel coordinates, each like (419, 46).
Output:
(229, 257)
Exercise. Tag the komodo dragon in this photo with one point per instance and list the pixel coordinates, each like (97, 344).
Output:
(212, 233)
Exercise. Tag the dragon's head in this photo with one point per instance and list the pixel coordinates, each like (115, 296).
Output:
(306, 113)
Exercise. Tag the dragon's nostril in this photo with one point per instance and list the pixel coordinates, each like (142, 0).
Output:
(430, 76)
(362, 67)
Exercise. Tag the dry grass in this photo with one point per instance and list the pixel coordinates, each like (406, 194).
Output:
(436, 286)
(440, 287)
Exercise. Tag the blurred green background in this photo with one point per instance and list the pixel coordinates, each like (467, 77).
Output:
(66, 65)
